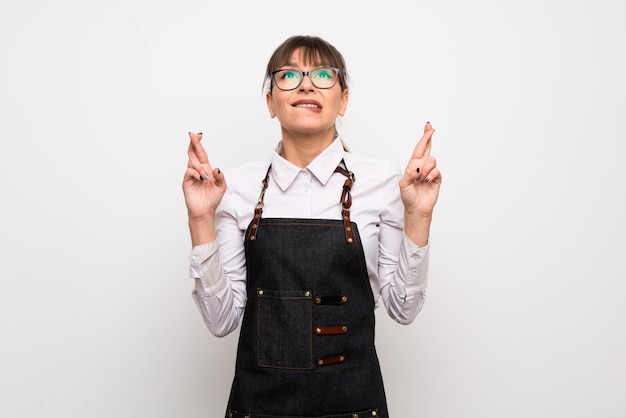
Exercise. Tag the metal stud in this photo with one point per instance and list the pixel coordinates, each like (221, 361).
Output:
(260, 292)
(307, 293)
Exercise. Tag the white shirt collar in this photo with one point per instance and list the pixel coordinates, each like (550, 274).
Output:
(322, 167)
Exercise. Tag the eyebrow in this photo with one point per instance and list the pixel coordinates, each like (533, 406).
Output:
(316, 64)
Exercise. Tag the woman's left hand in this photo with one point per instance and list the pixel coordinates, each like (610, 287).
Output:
(419, 187)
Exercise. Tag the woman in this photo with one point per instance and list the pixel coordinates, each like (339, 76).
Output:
(305, 245)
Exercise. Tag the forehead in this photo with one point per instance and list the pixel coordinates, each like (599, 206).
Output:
(302, 57)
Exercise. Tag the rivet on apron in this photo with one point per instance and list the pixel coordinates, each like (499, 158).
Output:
(307, 293)
(344, 299)
(355, 415)
(318, 330)
(318, 300)
(320, 362)
(260, 292)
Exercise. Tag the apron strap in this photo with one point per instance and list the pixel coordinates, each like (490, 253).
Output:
(258, 209)
(345, 201)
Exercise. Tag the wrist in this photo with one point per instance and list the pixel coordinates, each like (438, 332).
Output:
(417, 227)
(202, 230)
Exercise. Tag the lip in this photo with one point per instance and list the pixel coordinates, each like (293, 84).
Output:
(307, 104)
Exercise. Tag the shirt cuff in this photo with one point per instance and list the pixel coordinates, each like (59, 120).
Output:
(415, 260)
(205, 264)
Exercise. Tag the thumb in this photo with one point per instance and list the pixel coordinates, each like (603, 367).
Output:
(220, 180)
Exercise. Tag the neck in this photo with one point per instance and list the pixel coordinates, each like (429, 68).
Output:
(300, 150)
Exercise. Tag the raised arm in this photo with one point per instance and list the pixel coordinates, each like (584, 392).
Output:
(419, 189)
(203, 187)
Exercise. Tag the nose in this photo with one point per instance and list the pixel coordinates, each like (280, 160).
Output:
(306, 83)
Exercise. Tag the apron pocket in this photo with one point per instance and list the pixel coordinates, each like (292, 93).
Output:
(284, 333)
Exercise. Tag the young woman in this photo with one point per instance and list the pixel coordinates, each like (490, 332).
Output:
(305, 245)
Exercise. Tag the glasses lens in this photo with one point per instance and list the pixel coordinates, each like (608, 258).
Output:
(287, 79)
(324, 78)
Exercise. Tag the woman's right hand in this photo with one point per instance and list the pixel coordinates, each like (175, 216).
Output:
(203, 186)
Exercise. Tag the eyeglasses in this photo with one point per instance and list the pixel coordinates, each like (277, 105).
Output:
(322, 78)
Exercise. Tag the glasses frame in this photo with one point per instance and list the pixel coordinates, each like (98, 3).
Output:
(306, 73)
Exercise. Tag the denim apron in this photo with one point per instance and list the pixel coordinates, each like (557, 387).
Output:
(306, 345)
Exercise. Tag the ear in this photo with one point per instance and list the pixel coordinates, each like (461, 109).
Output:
(344, 102)
(270, 106)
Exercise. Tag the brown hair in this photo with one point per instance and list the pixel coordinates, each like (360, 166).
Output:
(315, 50)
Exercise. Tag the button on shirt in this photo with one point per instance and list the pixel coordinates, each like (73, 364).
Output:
(397, 268)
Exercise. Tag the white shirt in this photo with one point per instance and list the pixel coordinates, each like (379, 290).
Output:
(397, 268)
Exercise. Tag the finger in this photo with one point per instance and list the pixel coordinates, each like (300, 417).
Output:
(194, 162)
(428, 128)
(198, 148)
(220, 180)
(434, 176)
(422, 149)
(412, 173)
(427, 167)
(192, 174)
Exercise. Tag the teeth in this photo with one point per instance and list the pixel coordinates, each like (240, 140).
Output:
(306, 105)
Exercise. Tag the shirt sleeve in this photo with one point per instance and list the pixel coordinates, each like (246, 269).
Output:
(212, 293)
(219, 271)
(402, 265)
(407, 289)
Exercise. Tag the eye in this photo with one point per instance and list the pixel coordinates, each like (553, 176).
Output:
(324, 73)
(290, 74)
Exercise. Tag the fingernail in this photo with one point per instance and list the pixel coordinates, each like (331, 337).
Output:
(418, 169)
(428, 123)
(426, 181)
(219, 171)
(199, 133)
(200, 178)
(419, 178)
(206, 176)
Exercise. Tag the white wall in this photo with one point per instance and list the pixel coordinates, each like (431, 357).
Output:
(525, 315)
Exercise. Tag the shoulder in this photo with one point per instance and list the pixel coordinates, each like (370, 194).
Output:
(253, 172)
(372, 170)
(244, 182)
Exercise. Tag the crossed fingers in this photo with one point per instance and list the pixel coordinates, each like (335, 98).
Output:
(198, 164)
